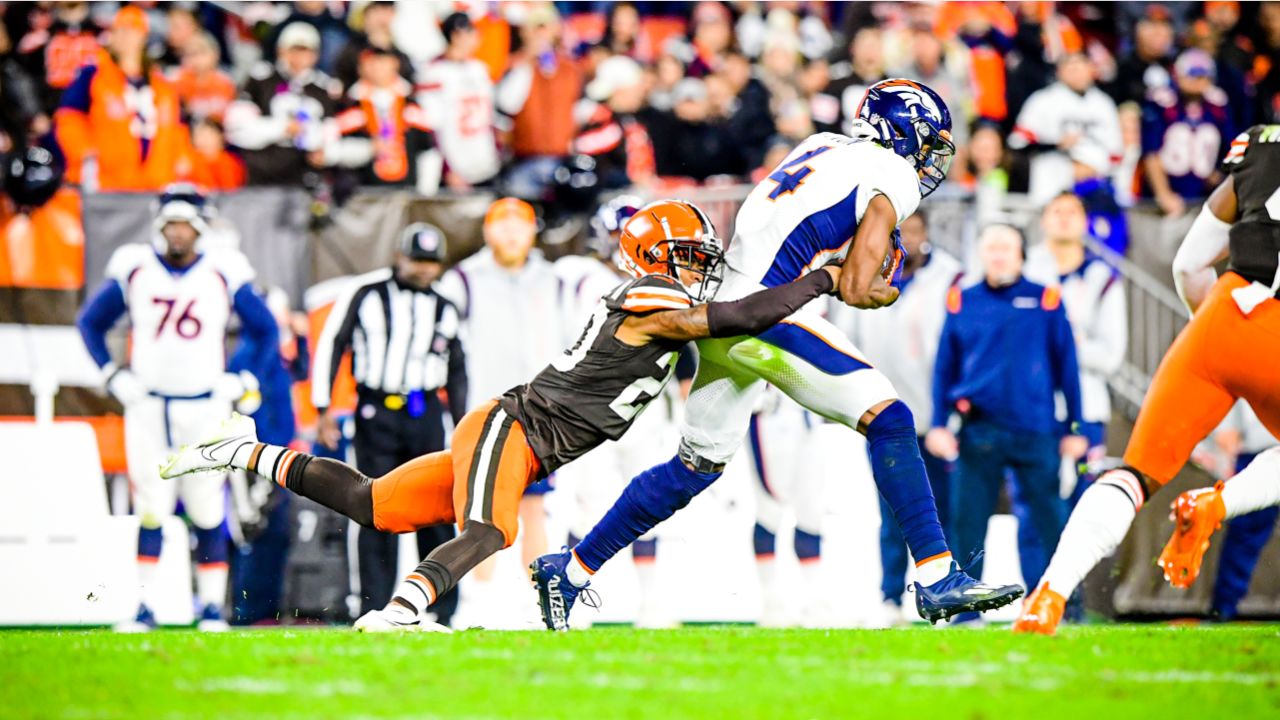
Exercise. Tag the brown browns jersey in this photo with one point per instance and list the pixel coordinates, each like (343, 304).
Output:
(1254, 162)
(595, 390)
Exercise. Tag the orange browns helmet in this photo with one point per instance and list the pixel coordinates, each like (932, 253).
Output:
(668, 236)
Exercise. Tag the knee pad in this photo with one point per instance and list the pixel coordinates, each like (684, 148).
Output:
(892, 422)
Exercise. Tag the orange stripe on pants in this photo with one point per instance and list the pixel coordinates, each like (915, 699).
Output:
(435, 488)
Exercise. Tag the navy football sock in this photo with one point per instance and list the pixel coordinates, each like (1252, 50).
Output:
(902, 480)
(808, 545)
(651, 497)
(765, 542)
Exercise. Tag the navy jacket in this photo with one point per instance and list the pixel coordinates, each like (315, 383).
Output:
(1003, 354)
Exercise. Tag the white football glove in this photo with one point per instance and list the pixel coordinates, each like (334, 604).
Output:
(240, 389)
(125, 387)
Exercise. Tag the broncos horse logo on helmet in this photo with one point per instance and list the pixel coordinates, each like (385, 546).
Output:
(913, 121)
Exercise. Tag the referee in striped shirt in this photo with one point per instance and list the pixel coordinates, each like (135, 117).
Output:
(403, 338)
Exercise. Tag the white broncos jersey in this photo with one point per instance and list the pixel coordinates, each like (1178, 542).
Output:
(805, 213)
(178, 319)
(1098, 310)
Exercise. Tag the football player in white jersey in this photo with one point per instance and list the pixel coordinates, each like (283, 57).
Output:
(177, 382)
(840, 199)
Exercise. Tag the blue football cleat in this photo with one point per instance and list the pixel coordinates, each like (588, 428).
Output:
(144, 621)
(556, 594)
(211, 620)
(958, 593)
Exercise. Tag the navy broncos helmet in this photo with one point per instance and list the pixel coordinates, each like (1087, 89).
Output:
(606, 224)
(913, 121)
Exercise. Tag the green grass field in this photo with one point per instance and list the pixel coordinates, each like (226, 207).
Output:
(732, 672)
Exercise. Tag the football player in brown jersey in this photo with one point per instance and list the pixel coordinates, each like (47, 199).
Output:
(1227, 352)
(590, 394)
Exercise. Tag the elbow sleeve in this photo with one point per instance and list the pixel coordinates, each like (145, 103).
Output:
(1204, 243)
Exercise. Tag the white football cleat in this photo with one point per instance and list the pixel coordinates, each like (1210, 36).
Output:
(212, 454)
(396, 618)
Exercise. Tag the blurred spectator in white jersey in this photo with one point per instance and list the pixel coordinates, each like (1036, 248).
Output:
(457, 94)
(1071, 129)
(1094, 296)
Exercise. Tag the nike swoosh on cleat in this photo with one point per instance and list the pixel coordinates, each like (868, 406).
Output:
(206, 451)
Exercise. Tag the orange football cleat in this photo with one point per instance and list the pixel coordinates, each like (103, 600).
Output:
(1196, 515)
(1042, 612)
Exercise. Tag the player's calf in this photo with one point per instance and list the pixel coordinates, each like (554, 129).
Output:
(235, 444)
(1096, 526)
(440, 571)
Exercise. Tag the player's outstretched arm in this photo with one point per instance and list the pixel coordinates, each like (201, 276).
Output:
(861, 284)
(750, 315)
(1205, 245)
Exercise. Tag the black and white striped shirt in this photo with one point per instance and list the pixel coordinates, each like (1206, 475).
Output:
(401, 339)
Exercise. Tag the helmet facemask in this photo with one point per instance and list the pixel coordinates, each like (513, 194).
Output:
(701, 258)
(933, 158)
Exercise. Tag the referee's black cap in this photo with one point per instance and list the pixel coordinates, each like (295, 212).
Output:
(423, 241)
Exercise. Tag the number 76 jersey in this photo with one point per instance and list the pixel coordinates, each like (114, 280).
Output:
(597, 388)
(178, 318)
(804, 214)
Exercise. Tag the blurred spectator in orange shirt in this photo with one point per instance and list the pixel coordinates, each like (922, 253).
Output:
(987, 29)
(205, 90)
(119, 124)
(385, 136)
(538, 94)
(213, 166)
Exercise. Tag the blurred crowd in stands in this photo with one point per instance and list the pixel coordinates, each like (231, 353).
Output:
(1122, 102)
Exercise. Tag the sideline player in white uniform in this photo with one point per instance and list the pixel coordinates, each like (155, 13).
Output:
(788, 468)
(833, 199)
(178, 383)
